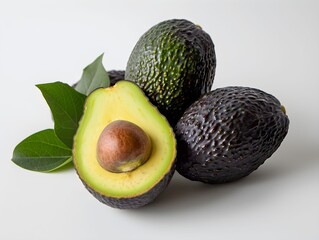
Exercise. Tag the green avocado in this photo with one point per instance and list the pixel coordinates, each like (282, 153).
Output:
(228, 133)
(174, 64)
(124, 149)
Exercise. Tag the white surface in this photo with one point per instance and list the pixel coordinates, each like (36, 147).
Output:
(272, 45)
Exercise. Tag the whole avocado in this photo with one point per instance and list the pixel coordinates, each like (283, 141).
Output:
(174, 63)
(229, 133)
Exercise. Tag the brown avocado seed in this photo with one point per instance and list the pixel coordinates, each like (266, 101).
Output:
(123, 146)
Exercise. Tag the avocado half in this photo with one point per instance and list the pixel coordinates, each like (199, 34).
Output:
(138, 187)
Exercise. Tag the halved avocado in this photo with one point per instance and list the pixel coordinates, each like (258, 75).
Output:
(126, 102)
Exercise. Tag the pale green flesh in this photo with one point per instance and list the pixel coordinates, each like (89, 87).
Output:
(124, 101)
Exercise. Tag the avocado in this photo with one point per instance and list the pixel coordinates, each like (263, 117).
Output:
(228, 133)
(114, 75)
(174, 64)
(124, 149)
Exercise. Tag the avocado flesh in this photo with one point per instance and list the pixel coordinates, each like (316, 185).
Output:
(228, 133)
(124, 101)
(173, 63)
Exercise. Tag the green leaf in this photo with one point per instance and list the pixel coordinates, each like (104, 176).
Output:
(42, 151)
(94, 76)
(66, 106)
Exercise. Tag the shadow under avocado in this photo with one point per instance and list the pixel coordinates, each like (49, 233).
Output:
(183, 195)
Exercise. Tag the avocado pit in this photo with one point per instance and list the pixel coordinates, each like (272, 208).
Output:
(122, 147)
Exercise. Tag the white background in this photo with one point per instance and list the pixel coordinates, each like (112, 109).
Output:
(271, 45)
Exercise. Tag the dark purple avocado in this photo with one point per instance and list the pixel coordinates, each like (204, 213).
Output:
(228, 133)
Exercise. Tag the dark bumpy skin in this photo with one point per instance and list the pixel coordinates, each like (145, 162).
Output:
(173, 63)
(135, 202)
(229, 133)
(114, 75)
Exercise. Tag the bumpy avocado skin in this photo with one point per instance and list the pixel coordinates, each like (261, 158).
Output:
(229, 133)
(134, 202)
(173, 63)
(115, 76)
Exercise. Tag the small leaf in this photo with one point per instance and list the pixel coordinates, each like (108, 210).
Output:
(94, 76)
(42, 151)
(66, 106)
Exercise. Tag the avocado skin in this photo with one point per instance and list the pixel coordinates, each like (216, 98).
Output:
(229, 133)
(174, 63)
(134, 202)
(114, 75)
